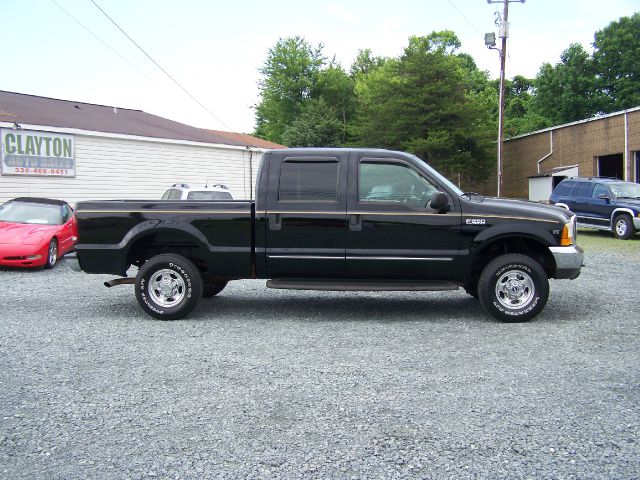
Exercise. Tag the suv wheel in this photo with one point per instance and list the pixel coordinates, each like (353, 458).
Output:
(513, 288)
(623, 227)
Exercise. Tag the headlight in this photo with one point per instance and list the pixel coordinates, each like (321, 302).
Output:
(568, 236)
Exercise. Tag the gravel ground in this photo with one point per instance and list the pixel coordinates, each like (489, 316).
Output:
(262, 383)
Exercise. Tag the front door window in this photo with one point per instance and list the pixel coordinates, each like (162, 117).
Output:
(394, 184)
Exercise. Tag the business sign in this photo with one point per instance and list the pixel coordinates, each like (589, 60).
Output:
(26, 152)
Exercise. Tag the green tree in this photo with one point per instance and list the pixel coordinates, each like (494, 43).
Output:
(289, 76)
(365, 63)
(336, 89)
(318, 125)
(617, 61)
(520, 115)
(423, 102)
(567, 91)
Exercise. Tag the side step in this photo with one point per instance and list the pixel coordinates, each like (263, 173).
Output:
(347, 285)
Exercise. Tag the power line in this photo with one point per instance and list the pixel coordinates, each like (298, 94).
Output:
(99, 39)
(466, 19)
(162, 69)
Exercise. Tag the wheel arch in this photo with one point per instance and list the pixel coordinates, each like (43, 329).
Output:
(526, 244)
(618, 211)
(156, 241)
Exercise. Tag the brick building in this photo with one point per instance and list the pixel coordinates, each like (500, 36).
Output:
(607, 146)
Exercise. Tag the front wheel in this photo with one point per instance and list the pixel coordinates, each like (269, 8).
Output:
(623, 227)
(168, 286)
(52, 254)
(513, 288)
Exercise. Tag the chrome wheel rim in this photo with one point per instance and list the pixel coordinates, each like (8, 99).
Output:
(621, 227)
(515, 289)
(53, 253)
(167, 288)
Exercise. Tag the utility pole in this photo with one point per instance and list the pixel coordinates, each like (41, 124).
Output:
(503, 33)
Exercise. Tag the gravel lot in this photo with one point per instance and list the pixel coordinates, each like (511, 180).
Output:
(276, 384)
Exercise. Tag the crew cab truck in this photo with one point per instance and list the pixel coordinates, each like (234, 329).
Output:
(335, 219)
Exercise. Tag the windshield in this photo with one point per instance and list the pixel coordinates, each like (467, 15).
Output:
(440, 178)
(625, 189)
(209, 195)
(25, 212)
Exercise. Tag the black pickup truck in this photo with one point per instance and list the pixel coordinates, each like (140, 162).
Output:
(334, 219)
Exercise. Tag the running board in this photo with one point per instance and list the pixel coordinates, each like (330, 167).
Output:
(345, 285)
(594, 227)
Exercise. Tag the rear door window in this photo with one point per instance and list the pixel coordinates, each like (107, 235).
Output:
(564, 189)
(584, 189)
(309, 181)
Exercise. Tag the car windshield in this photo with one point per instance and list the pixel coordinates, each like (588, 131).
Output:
(208, 195)
(27, 212)
(625, 189)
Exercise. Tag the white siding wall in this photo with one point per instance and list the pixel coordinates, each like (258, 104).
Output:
(112, 168)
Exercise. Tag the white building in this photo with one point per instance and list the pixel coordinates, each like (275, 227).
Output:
(77, 151)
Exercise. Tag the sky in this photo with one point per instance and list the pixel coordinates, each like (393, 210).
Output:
(215, 49)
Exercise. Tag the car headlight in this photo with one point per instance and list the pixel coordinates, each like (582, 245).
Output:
(568, 235)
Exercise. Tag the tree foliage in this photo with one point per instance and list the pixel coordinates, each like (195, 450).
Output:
(317, 125)
(422, 102)
(567, 91)
(290, 74)
(434, 101)
(300, 85)
(617, 62)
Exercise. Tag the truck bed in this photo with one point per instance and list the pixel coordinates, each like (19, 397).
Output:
(219, 235)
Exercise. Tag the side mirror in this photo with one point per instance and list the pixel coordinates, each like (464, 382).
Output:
(439, 201)
(604, 196)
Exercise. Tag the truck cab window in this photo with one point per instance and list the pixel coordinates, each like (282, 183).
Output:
(309, 181)
(393, 182)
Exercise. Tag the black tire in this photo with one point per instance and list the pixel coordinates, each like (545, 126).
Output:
(472, 290)
(623, 227)
(52, 254)
(168, 286)
(513, 288)
(211, 289)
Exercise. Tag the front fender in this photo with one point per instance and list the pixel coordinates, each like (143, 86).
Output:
(516, 229)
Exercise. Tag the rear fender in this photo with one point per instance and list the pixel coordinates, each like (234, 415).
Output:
(149, 228)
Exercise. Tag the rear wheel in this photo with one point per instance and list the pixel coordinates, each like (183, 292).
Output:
(168, 286)
(513, 288)
(623, 227)
(52, 254)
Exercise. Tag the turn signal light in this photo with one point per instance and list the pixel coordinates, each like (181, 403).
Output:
(566, 239)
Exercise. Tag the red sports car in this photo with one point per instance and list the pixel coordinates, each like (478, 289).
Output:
(36, 232)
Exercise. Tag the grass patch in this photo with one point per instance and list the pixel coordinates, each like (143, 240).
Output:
(601, 241)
